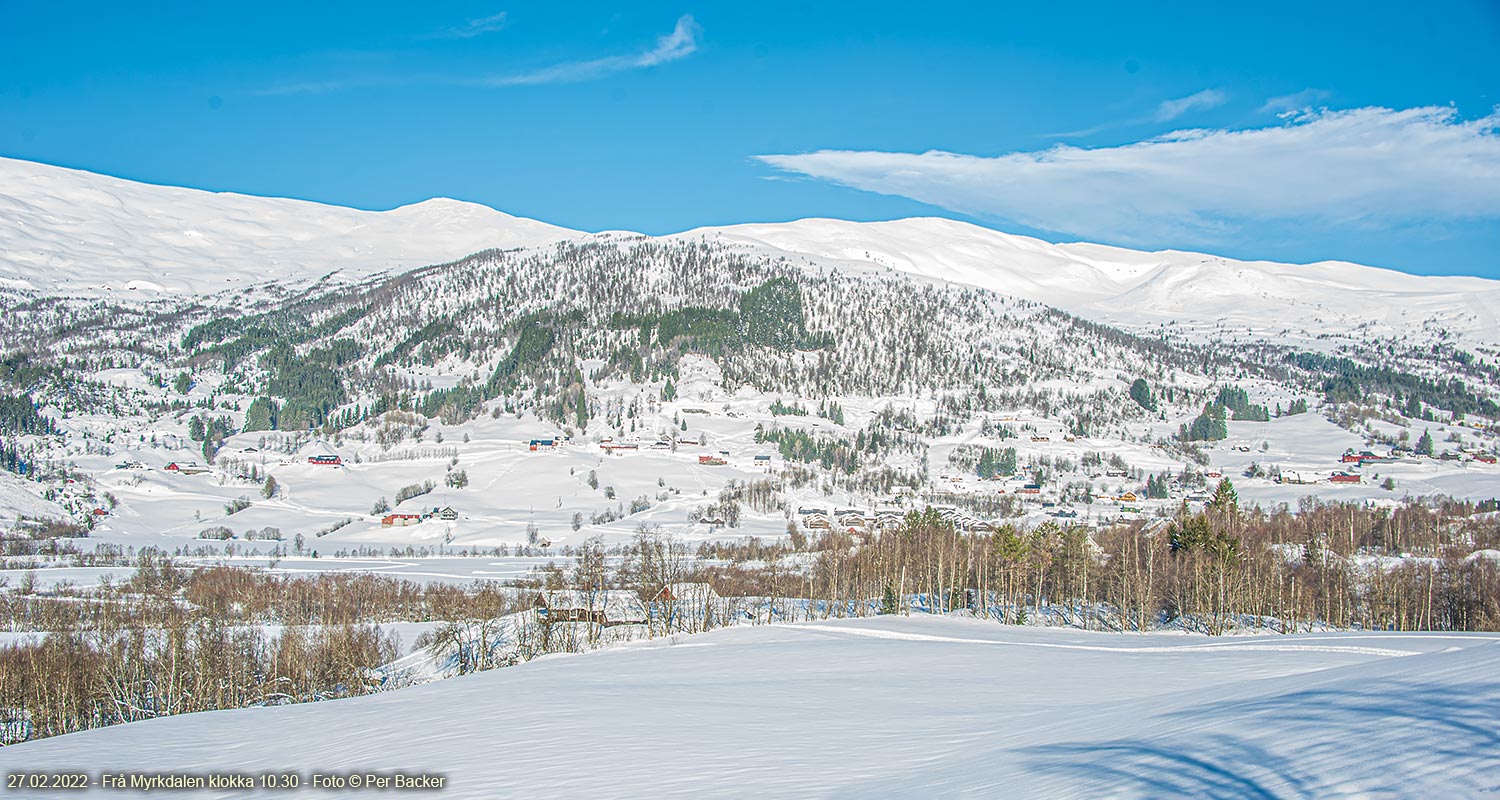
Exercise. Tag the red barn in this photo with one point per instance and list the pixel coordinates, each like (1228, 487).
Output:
(400, 520)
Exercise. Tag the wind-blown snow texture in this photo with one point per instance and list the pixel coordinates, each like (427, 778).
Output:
(892, 707)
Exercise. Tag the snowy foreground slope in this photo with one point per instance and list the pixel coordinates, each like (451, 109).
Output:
(889, 707)
(69, 232)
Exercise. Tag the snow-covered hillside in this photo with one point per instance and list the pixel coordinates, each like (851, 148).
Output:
(70, 232)
(1144, 289)
(886, 707)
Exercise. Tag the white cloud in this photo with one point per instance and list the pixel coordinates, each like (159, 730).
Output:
(475, 27)
(1296, 101)
(680, 43)
(1172, 109)
(1365, 166)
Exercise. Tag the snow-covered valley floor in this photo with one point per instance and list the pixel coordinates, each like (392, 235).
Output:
(886, 707)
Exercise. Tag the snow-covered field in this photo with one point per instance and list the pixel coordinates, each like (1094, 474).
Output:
(885, 707)
(511, 488)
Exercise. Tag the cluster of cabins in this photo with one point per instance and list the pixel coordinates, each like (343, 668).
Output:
(401, 520)
(611, 607)
(1366, 457)
(613, 445)
(1362, 458)
(852, 520)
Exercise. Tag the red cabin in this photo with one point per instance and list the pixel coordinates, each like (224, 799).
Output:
(325, 461)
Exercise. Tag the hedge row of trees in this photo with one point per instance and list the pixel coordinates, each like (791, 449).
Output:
(173, 640)
(1210, 570)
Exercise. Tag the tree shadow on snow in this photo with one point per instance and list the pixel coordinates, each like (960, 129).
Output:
(1378, 736)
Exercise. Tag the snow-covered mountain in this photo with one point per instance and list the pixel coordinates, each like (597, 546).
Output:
(1145, 289)
(69, 232)
(65, 231)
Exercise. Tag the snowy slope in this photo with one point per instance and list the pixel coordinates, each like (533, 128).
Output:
(18, 499)
(888, 707)
(1139, 288)
(65, 231)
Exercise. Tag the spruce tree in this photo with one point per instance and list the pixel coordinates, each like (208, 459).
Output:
(1225, 498)
(261, 416)
(1007, 464)
(1140, 392)
(1424, 444)
(890, 604)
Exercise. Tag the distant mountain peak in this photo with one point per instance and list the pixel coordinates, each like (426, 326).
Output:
(67, 231)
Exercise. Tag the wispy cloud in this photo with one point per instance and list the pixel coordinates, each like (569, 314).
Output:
(1359, 167)
(680, 43)
(1172, 109)
(474, 27)
(1296, 101)
(1166, 111)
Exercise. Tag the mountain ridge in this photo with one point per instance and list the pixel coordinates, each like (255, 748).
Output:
(66, 231)
(72, 232)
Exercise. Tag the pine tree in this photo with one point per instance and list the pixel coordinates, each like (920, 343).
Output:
(1211, 425)
(261, 416)
(1424, 444)
(1225, 498)
(1140, 392)
(988, 463)
(890, 604)
(268, 491)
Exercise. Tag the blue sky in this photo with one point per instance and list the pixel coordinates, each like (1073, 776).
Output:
(1364, 132)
